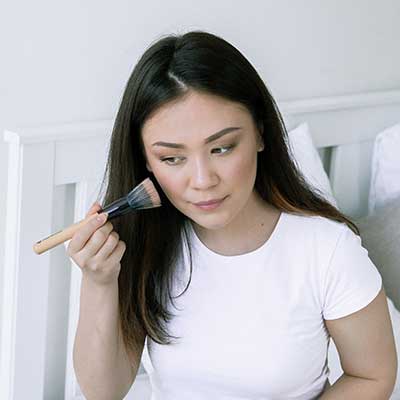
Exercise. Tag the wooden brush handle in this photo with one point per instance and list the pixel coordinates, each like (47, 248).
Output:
(60, 237)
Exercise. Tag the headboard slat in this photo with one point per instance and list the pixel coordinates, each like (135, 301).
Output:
(350, 177)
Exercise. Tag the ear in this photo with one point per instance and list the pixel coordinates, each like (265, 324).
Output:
(260, 137)
(261, 143)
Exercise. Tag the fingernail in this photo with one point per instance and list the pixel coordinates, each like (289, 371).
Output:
(101, 217)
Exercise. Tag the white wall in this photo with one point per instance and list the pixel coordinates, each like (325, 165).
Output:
(69, 61)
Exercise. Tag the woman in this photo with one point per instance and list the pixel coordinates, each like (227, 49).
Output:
(250, 286)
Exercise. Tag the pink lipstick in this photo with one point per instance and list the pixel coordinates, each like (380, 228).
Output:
(209, 205)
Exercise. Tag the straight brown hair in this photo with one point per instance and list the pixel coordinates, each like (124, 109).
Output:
(167, 70)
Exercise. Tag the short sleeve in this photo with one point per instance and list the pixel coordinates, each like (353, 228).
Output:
(352, 281)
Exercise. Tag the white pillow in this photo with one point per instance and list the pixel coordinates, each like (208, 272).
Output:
(385, 169)
(308, 160)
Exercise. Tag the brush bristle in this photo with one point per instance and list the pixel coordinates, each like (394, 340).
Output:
(144, 196)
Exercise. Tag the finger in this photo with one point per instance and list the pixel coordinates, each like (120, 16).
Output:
(117, 254)
(82, 235)
(95, 207)
(108, 246)
(97, 240)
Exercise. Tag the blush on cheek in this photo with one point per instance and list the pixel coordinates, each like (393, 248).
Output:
(242, 171)
(168, 185)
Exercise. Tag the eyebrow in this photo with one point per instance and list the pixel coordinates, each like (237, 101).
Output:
(211, 138)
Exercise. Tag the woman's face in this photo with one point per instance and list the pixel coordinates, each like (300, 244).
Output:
(203, 148)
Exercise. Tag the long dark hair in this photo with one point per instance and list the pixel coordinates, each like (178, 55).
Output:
(168, 69)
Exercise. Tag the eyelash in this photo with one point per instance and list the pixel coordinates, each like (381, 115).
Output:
(229, 148)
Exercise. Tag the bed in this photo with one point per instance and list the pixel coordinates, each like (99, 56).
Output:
(54, 175)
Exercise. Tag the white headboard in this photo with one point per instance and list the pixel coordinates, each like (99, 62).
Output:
(344, 129)
(54, 176)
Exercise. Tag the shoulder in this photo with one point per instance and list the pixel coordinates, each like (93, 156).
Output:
(316, 236)
(315, 226)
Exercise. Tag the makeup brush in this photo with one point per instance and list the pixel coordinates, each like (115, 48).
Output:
(143, 196)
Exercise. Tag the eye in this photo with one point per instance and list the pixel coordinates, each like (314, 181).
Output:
(228, 148)
(176, 160)
(168, 159)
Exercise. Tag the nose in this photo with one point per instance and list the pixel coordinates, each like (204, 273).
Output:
(203, 174)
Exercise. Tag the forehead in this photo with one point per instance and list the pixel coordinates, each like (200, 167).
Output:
(196, 114)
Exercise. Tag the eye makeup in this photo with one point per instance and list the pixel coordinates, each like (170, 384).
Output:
(228, 149)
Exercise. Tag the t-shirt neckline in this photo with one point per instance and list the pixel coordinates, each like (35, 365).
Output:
(266, 245)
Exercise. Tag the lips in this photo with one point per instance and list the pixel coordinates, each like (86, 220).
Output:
(209, 202)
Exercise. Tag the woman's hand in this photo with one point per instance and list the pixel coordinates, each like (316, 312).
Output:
(97, 250)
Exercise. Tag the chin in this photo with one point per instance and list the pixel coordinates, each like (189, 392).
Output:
(211, 226)
(212, 222)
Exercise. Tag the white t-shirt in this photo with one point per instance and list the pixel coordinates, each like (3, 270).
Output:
(252, 325)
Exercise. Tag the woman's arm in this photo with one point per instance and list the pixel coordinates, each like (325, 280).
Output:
(367, 353)
(103, 367)
(351, 387)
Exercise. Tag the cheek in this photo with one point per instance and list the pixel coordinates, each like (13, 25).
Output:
(168, 182)
(243, 169)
